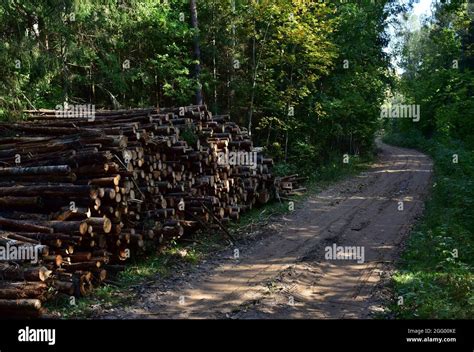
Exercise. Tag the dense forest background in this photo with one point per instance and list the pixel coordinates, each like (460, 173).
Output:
(438, 62)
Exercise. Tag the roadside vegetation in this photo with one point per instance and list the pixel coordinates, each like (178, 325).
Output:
(436, 273)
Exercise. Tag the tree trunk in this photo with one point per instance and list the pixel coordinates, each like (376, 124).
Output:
(197, 50)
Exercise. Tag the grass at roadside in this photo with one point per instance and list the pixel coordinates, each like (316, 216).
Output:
(436, 273)
(189, 251)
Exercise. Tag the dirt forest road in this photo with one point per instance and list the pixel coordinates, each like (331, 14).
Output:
(285, 274)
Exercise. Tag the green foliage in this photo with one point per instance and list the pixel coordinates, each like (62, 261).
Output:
(433, 282)
(438, 63)
(436, 275)
(282, 169)
(79, 51)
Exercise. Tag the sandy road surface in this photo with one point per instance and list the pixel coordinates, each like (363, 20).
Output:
(285, 274)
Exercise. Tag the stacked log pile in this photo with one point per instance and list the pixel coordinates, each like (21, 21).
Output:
(89, 193)
(288, 186)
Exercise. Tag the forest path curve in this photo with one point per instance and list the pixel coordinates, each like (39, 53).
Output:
(285, 274)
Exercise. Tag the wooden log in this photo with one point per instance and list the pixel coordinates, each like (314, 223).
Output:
(55, 259)
(60, 190)
(35, 170)
(19, 202)
(30, 307)
(87, 265)
(11, 273)
(103, 224)
(50, 236)
(18, 290)
(106, 181)
(65, 287)
(80, 257)
(10, 224)
(59, 226)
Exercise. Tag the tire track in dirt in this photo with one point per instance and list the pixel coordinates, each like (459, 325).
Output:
(286, 275)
